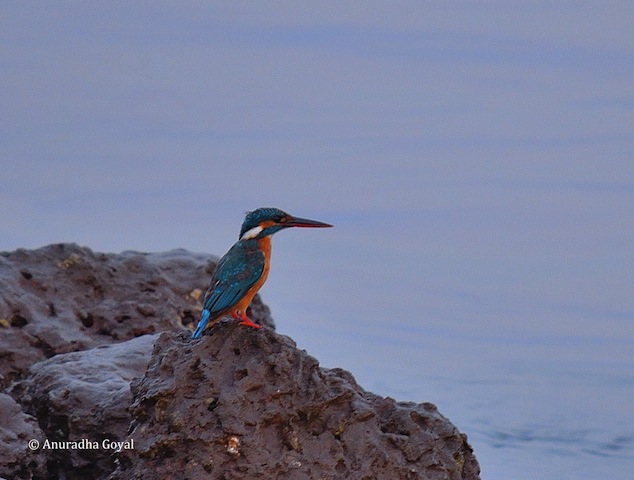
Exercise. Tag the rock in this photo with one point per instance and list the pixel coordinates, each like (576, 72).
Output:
(63, 298)
(16, 430)
(246, 404)
(82, 361)
(85, 395)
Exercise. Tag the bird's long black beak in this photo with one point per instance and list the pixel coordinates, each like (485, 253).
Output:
(305, 222)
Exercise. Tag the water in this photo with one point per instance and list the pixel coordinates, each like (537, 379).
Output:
(560, 409)
(539, 375)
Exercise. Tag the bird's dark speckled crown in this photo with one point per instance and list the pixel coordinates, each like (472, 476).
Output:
(254, 218)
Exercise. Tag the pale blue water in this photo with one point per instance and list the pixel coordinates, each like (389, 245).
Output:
(553, 407)
(475, 158)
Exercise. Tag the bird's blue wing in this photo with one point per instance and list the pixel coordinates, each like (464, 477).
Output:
(235, 274)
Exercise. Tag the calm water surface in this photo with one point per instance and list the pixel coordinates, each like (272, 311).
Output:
(539, 376)
(556, 410)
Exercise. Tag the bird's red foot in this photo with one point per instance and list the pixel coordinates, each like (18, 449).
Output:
(247, 321)
(250, 323)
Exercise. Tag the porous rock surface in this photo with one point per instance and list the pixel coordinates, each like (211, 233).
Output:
(238, 404)
(16, 430)
(85, 395)
(247, 404)
(64, 298)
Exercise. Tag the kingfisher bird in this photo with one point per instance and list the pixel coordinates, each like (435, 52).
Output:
(242, 271)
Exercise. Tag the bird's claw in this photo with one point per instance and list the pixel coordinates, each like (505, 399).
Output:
(246, 321)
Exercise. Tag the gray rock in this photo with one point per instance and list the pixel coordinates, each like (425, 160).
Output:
(245, 404)
(63, 298)
(82, 360)
(16, 430)
(85, 395)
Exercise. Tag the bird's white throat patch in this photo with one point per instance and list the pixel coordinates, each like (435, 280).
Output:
(254, 232)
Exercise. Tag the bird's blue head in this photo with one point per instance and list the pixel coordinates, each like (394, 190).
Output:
(266, 221)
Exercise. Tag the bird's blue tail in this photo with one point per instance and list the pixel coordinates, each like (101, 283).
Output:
(204, 318)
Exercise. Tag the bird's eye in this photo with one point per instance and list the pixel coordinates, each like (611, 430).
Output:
(284, 219)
